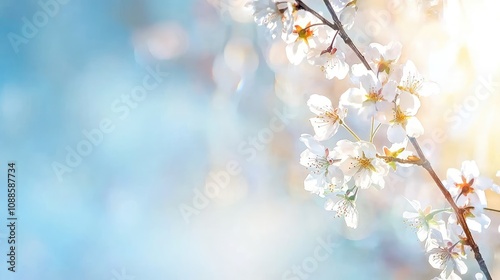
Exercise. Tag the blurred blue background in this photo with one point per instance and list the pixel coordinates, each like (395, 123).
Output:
(171, 92)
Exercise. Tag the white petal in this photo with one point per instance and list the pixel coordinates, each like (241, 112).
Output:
(470, 169)
(296, 52)
(393, 51)
(461, 266)
(374, 51)
(435, 259)
(313, 145)
(385, 112)
(362, 178)
(353, 97)
(323, 130)
(409, 103)
(495, 188)
(410, 70)
(396, 134)
(319, 103)
(454, 175)
(314, 184)
(413, 127)
(351, 217)
(389, 91)
(422, 234)
(349, 166)
(410, 215)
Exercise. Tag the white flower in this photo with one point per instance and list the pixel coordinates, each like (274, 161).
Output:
(401, 117)
(273, 14)
(319, 161)
(467, 186)
(302, 38)
(345, 207)
(447, 258)
(412, 82)
(371, 97)
(329, 57)
(474, 217)
(359, 161)
(327, 122)
(381, 57)
(422, 220)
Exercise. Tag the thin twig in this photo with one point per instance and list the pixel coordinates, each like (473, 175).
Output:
(458, 211)
(344, 35)
(335, 26)
(492, 210)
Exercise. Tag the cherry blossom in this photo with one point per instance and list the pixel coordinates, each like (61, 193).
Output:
(359, 162)
(345, 207)
(401, 118)
(423, 220)
(371, 97)
(327, 122)
(412, 82)
(325, 176)
(274, 14)
(447, 257)
(330, 57)
(302, 38)
(381, 57)
(467, 185)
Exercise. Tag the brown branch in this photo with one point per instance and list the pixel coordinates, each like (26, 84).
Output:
(458, 211)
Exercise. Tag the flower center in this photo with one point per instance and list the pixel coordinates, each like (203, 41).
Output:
(411, 85)
(384, 66)
(304, 33)
(366, 163)
(333, 116)
(400, 116)
(465, 186)
(374, 95)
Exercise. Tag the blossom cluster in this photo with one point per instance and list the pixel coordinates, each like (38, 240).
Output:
(387, 93)
(444, 240)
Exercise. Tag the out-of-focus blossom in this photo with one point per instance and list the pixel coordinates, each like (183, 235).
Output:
(422, 220)
(275, 15)
(345, 207)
